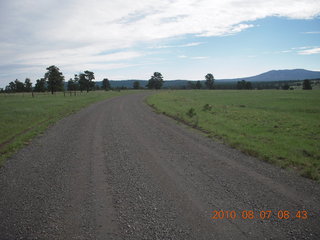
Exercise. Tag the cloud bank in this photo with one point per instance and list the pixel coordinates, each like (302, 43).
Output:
(81, 34)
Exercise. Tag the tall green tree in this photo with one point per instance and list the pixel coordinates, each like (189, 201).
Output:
(156, 81)
(19, 86)
(89, 77)
(191, 85)
(28, 85)
(306, 85)
(40, 85)
(209, 81)
(136, 85)
(198, 85)
(86, 81)
(82, 82)
(243, 84)
(71, 85)
(96, 86)
(285, 86)
(248, 85)
(54, 79)
(12, 87)
(76, 81)
(7, 89)
(106, 84)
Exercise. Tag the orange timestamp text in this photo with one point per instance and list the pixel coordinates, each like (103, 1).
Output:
(265, 214)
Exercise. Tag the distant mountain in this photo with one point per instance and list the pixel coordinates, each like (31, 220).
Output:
(281, 75)
(271, 76)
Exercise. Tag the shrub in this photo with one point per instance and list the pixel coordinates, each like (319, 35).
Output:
(207, 107)
(191, 112)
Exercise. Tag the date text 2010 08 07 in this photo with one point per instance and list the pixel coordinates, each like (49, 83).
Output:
(267, 214)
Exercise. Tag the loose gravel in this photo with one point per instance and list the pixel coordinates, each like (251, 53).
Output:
(117, 170)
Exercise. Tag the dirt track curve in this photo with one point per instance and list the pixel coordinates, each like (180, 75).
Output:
(117, 170)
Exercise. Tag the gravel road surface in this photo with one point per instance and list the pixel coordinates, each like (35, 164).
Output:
(118, 170)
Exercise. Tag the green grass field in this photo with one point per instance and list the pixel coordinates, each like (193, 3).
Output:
(23, 117)
(281, 127)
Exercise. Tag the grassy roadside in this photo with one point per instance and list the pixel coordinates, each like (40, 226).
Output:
(23, 117)
(280, 127)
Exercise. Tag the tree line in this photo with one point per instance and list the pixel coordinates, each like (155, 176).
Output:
(247, 85)
(156, 82)
(53, 81)
(208, 83)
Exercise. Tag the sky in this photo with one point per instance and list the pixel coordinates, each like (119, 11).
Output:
(182, 39)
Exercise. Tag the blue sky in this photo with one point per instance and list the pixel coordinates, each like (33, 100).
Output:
(182, 39)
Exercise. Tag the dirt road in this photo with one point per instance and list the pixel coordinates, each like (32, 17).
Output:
(117, 170)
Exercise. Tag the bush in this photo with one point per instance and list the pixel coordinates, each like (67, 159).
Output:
(191, 112)
(207, 107)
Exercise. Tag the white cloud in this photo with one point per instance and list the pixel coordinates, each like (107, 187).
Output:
(76, 32)
(199, 57)
(178, 46)
(191, 44)
(310, 51)
(301, 48)
(195, 58)
(315, 32)
(306, 50)
(75, 57)
(286, 51)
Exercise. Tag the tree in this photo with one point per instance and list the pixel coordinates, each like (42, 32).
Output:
(82, 81)
(156, 81)
(209, 81)
(28, 85)
(285, 86)
(19, 86)
(96, 86)
(306, 85)
(76, 82)
(243, 84)
(7, 89)
(12, 87)
(89, 77)
(191, 85)
(248, 85)
(136, 85)
(106, 84)
(198, 85)
(15, 86)
(85, 81)
(71, 85)
(40, 85)
(54, 79)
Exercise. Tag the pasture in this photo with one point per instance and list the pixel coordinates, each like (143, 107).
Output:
(22, 117)
(280, 127)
